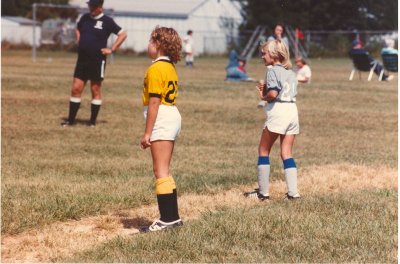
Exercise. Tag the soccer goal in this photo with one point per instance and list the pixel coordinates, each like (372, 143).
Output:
(57, 26)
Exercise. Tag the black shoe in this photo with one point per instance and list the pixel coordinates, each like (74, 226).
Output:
(91, 124)
(67, 123)
(256, 194)
(290, 197)
(160, 225)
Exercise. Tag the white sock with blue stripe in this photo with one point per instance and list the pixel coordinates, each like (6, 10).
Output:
(264, 168)
(291, 176)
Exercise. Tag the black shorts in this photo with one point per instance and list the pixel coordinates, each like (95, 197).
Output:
(90, 70)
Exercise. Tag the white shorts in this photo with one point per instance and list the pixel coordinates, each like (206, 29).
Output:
(282, 118)
(168, 123)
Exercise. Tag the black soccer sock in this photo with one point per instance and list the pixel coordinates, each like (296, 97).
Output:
(74, 104)
(95, 108)
(167, 199)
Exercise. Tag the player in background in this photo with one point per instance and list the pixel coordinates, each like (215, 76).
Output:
(163, 120)
(188, 48)
(282, 118)
(303, 71)
(93, 30)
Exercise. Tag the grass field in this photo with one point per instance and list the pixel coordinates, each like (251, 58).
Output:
(79, 194)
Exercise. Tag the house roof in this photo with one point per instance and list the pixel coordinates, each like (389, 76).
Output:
(152, 8)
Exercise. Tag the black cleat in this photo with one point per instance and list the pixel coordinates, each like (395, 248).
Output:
(67, 123)
(256, 194)
(290, 197)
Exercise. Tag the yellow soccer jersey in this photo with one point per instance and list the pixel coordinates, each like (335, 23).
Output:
(161, 80)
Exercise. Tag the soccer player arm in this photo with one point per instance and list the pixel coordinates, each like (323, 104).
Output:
(271, 95)
(78, 35)
(271, 88)
(152, 111)
(120, 39)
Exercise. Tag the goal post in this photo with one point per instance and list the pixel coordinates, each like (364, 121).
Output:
(56, 29)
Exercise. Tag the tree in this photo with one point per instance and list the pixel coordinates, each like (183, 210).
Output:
(322, 15)
(24, 7)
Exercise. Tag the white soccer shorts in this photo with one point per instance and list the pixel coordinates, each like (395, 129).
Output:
(168, 123)
(282, 118)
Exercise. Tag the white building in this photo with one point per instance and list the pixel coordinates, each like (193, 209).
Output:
(214, 22)
(18, 30)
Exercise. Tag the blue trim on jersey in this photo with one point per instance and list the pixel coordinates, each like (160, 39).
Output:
(263, 160)
(274, 89)
(289, 163)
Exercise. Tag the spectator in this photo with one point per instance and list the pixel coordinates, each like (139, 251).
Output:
(235, 70)
(279, 30)
(389, 49)
(358, 49)
(188, 48)
(303, 72)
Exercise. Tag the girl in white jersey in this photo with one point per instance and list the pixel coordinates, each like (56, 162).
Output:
(280, 92)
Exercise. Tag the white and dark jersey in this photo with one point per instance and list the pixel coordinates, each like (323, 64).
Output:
(94, 33)
(284, 82)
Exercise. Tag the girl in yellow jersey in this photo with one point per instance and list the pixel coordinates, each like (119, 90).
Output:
(163, 121)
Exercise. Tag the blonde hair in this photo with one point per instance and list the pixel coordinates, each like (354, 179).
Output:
(168, 41)
(278, 51)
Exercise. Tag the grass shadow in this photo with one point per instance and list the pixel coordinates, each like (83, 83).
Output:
(136, 222)
(83, 122)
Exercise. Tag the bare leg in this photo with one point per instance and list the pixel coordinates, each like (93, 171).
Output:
(289, 165)
(167, 198)
(161, 152)
(263, 165)
(75, 101)
(95, 87)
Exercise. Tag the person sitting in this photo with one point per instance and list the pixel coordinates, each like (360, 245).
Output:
(389, 49)
(358, 49)
(235, 70)
(303, 71)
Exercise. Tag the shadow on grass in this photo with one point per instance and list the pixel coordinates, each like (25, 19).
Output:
(82, 122)
(136, 222)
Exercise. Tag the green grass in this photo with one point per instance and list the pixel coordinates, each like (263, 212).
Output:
(50, 173)
(315, 229)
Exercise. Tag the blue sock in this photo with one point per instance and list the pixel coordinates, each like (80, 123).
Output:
(264, 168)
(291, 176)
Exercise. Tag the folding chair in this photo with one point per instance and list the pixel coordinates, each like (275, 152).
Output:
(361, 63)
(390, 63)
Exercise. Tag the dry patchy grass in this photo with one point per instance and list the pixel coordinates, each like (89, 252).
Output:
(52, 177)
(61, 240)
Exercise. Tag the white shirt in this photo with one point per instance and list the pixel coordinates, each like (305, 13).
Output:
(188, 43)
(304, 73)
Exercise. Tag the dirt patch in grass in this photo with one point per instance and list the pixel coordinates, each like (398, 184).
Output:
(63, 239)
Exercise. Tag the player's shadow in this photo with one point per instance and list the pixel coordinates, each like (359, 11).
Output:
(84, 122)
(136, 222)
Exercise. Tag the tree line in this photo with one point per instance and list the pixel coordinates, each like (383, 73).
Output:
(303, 14)
(322, 15)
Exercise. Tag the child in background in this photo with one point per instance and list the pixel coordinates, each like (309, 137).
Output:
(188, 48)
(282, 118)
(303, 71)
(235, 70)
(163, 120)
